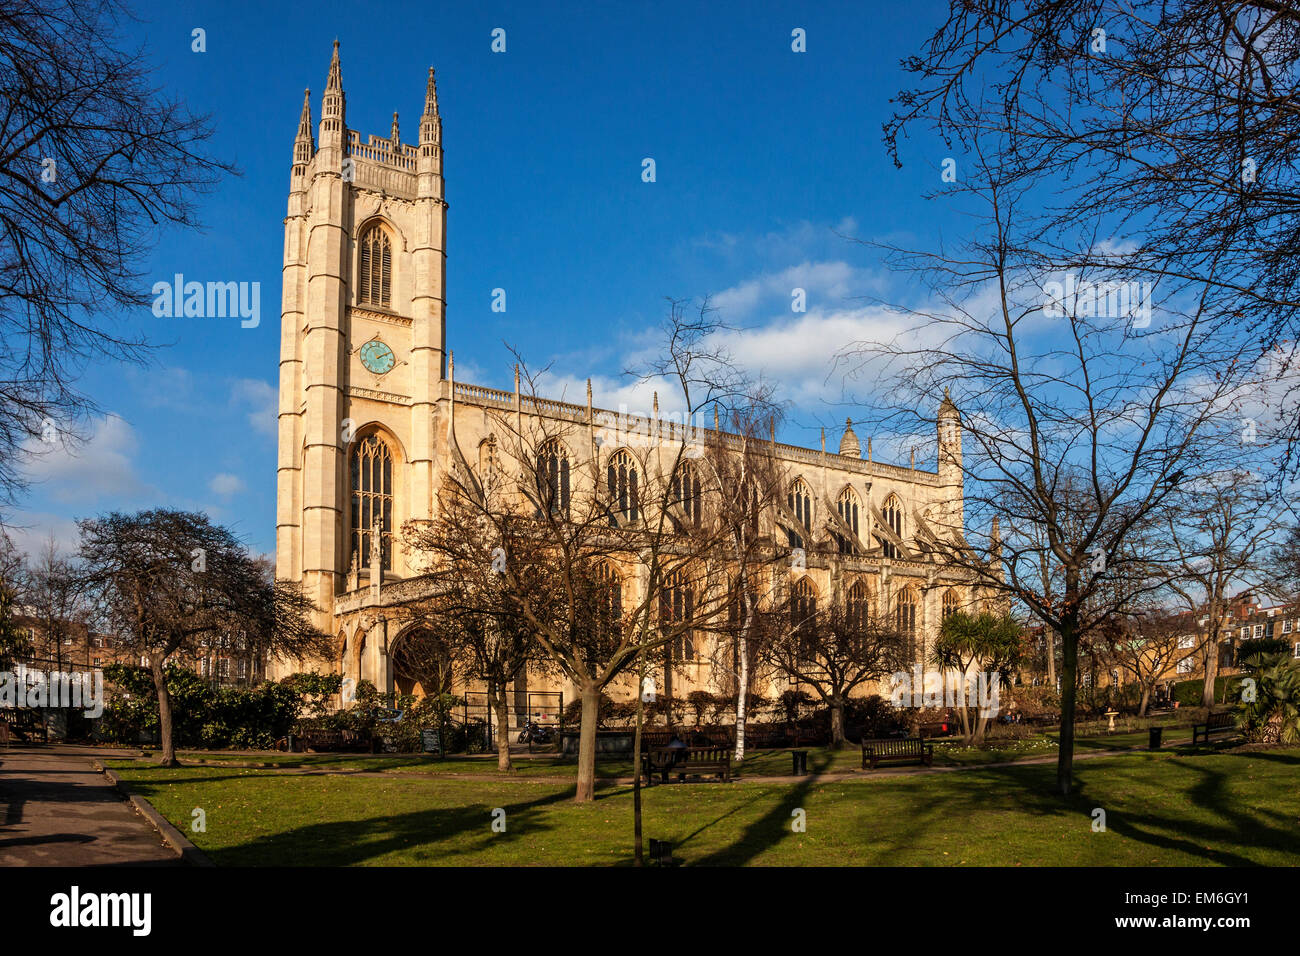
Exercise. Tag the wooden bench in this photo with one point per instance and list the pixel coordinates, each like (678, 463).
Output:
(334, 741)
(683, 762)
(1214, 724)
(900, 750)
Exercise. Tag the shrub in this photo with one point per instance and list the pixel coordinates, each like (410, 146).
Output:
(1273, 715)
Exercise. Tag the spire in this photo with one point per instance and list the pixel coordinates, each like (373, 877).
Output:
(304, 121)
(333, 107)
(335, 81)
(430, 97)
(430, 122)
(303, 144)
(395, 137)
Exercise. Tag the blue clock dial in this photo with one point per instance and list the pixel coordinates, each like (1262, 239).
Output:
(377, 357)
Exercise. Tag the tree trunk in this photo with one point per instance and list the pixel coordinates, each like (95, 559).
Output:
(1211, 668)
(1049, 638)
(590, 695)
(837, 722)
(1145, 701)
(638, 857)
(1069, 669)
(168, 756)
(742, 689)
(502, 707)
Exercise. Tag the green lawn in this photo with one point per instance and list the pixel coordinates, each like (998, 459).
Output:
(1168, 808)
(757, 763)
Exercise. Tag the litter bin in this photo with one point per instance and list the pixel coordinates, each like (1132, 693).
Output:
(1154, 742)
(800, 762)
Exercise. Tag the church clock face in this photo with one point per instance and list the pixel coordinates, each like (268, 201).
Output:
(377, 357)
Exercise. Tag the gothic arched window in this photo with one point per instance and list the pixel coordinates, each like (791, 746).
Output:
(553, 478)
(375, 271)
(609, 600)
(685, 491)
(676, 605)
(800, 502)
(905, 613)
(372, 499)
(893, 513)
(621, 475)
(950, 603)
(803, 616)
(847, 507)
(857, 606)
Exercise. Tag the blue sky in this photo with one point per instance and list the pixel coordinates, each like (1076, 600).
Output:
(762, 155)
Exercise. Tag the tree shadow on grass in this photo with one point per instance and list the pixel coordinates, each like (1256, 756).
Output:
(425, 836)
(1213, 793)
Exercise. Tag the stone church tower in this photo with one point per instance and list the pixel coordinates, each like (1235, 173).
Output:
(362, 344)
(370, 416)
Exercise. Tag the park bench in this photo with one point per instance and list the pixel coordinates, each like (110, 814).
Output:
(1214, 724)
(904, 750)
(333, 740)
(683, 762)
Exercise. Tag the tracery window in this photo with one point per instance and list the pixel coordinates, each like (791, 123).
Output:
(621, 477)
(375, 272)
(372, 499)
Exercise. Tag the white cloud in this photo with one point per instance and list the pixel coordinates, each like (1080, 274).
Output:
(99, 468)
(263, 399)
(225, 484)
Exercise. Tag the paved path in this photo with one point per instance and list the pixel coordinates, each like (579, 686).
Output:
(56, 811)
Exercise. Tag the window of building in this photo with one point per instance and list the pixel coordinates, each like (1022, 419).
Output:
(677, 605)
(223, 668)
(375, 275)
(553, 478)
(803, 616)
(1259, 630)
(1297, 649)
(857, 606)
(950, 604)
(800, 502)
(893, 515)
(847, 506)
(685, 491)
(372, 499)
(905, 613)
(243, 669)
(1286, 627)
(621, 478)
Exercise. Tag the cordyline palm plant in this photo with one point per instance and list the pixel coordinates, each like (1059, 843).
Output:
(977, 642)
(1272, 712)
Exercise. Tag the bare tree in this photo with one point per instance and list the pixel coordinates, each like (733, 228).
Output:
(168, 580)
(1172, 122)
(1080, 424)
(833, 649)
(94, 160)
(54, 594)
(1146, 645)
(1220, 532)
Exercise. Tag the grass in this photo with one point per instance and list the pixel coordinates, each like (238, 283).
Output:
(1168, 808)
(947, 752)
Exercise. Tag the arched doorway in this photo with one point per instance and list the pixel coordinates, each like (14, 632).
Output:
(423, 663)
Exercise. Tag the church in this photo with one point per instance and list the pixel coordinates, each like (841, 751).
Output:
(369, 412)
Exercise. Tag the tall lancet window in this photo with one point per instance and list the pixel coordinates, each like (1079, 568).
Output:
(624, 500)
(375, 276)
(372, 500)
